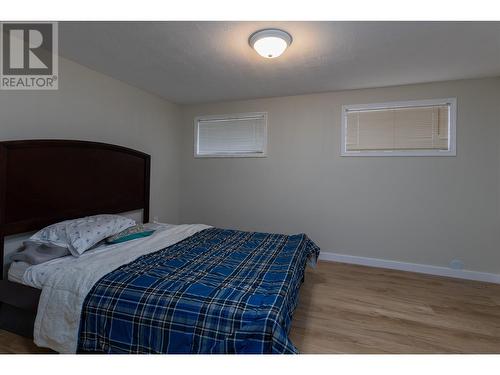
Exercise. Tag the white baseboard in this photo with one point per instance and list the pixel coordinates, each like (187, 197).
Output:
(411, 267)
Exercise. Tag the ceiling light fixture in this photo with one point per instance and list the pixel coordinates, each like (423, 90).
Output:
(270, 43)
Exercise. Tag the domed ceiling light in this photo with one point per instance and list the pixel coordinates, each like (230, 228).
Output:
(270, 43)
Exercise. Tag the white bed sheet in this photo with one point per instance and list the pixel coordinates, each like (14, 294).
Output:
(17, 271)
(65, 282)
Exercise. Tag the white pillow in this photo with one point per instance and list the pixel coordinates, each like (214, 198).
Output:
(81, 234)
(54, 234)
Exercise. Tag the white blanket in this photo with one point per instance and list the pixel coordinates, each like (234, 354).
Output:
(65, 283)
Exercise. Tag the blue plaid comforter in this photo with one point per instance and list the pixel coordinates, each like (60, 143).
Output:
(218, 291)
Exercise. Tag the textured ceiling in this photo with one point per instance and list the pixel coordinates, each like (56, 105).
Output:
(192, 62)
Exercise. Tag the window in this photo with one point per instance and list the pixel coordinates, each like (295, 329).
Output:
(235, 135)
(413, 128)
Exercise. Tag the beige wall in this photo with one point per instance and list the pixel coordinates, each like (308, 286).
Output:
(422, 210)
(95, 107)
(92, 106)
(426, 210)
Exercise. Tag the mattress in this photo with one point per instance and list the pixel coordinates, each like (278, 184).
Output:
(219, 291)
(17, 271)
(270, 269)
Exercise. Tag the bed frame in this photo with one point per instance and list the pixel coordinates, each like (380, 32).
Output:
(46, 181)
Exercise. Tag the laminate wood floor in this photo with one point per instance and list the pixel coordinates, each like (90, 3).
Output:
(355, 309)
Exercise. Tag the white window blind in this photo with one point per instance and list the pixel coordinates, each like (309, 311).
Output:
(416, 128)
(242, 135)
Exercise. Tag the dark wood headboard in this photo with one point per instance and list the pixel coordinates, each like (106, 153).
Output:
(46, 181)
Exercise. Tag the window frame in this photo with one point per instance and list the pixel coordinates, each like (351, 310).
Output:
(231, 116)
(452, 119)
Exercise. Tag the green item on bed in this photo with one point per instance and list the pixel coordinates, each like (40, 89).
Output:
(132, 233)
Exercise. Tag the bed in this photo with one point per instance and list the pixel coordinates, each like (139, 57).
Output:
(185, 289)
